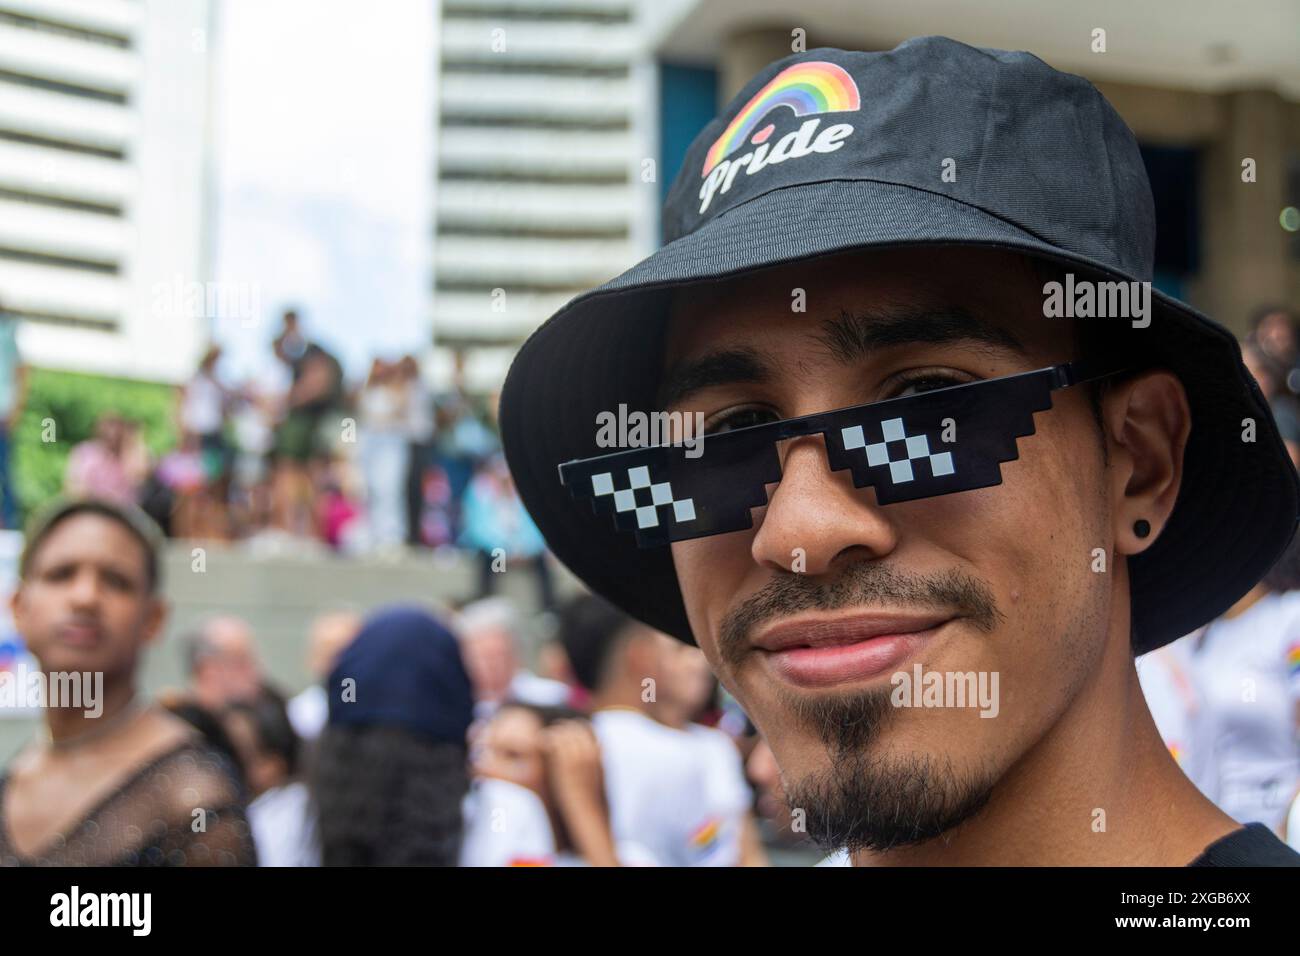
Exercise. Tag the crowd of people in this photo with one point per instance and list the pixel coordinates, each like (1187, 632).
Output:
(422, 739)
(448, 736)
(377, 468)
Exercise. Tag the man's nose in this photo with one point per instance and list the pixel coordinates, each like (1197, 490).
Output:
(86, 588)
(815, 515)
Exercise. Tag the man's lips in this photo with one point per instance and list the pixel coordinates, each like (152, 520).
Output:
(80, 634)
(817, 651)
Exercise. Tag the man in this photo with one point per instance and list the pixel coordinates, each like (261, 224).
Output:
(489, 635)
(316, 388)
(920, 471)
(224, 668)
(687, 689)
(125, 782)
(656, 779)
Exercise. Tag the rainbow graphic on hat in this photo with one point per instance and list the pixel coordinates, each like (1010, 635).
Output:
(1293, 660)
(807, 88)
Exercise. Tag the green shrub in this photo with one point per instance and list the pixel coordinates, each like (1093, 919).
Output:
(67, 404)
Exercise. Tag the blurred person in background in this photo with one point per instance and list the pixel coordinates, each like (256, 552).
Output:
(497, 527)
(204, 405)
(461, 440)
(687, 692)
(340, 516)
(1246, 722)
(383, 413)
(112, 465)
(1271, 377)
(280, 812)
(13, 390)
(391, 767)
(126, 785)
(222, 663)
(419, 434)
(655, 780)
(330, 633)
(490, 640)
(1275, 330)
(315, 390)
(253, 431)
(538, 797)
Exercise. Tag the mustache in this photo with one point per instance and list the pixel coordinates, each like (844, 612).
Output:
(865, 583)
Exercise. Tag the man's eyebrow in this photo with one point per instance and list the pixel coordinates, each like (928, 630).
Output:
(848, 337)
(851, 336)
(725, 367)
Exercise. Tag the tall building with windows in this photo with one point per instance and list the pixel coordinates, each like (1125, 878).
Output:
(104, 132)
(547, 166)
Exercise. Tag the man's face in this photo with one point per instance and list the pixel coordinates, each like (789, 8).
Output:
(233, 672)
(85, 604)
(490, 659)
(846, 593)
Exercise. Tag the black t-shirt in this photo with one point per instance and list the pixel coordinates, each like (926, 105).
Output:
(1252, 845)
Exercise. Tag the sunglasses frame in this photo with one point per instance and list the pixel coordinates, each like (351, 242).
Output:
(1021, 394)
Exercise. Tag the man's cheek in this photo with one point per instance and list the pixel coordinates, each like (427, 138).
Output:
(708, 570)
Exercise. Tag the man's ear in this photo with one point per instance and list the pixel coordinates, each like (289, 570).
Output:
(1147, 422)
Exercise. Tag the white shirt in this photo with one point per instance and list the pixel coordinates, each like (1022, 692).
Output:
(202, 408)
(728, 793)
(505, 825)
(1246, 733)
(284, 827)
(308, 712)
(657, 789)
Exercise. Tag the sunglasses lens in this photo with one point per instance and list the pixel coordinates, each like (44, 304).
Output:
(935, 443)
(672, 493)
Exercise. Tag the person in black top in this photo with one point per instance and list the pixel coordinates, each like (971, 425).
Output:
(113, 780)
(316, 391)
(960, 464)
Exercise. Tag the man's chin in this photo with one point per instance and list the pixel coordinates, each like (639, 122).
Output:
(865, 801)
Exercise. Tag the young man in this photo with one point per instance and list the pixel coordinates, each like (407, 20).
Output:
(125, 782)
(657, 782)
(939, 508)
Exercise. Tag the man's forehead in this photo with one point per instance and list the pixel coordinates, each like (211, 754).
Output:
(823, 300)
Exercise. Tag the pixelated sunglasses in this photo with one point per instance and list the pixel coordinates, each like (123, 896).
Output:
(937, 442)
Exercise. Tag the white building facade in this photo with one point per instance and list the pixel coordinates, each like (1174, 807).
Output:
(104, 139)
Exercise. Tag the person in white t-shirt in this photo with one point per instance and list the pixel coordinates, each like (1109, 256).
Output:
(687, 691)
(539, 798)
(655, 776)
(1247, 668)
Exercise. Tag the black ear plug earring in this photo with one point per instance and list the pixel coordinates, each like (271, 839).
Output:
(1142, 527)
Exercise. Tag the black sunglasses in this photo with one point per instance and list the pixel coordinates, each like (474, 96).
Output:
(934, 443)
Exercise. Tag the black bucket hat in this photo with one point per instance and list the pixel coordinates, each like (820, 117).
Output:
(1044, 166)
